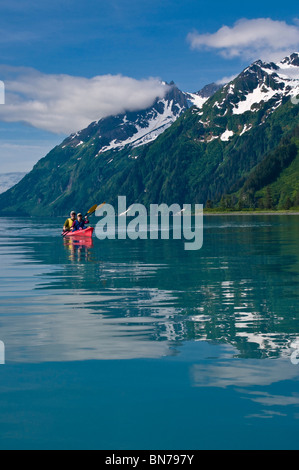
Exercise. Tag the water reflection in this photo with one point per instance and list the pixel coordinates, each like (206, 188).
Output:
(78, 249)
(270, 384)
(250, 373)
(101, 300)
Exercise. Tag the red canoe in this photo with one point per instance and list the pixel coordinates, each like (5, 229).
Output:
(86, 233)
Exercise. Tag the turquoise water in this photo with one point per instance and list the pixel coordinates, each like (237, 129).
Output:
(142, 345)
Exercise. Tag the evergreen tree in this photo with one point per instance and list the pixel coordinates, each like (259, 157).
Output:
(261, 204)
(222, 204)
(287, 204)
(268, 201)
(296, 200)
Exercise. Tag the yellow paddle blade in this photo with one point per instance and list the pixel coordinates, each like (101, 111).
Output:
(101, 205)
(94, 208)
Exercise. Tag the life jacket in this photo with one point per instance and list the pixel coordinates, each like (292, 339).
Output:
(78, 225)
(69, 223)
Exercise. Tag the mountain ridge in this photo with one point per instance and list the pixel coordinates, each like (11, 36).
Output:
(185, 148)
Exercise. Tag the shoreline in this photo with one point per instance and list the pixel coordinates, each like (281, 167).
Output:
(252, 213)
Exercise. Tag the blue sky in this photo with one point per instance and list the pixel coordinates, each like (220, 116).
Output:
(136, 39)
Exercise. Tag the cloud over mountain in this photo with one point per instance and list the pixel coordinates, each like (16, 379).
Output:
(64, 103)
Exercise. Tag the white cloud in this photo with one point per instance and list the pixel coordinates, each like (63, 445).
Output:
(65, 104)
(225, 80)
(260, 38)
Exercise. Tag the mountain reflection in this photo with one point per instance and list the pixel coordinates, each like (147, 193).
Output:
(125, 299)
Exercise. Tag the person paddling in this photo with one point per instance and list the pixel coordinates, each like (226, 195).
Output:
(69, 223)
(80, 223)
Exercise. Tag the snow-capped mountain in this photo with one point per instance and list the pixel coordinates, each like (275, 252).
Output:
(134, 129)
(236, 142)
(8, 180)
(258, 91)
(274, 82)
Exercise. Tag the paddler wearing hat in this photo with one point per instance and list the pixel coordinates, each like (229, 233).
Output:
(69, 223)
(80, 223)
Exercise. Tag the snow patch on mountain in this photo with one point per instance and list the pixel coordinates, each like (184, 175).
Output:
(226, 135)
(260, 94)
(246, 129)
(196, 100)
(155, 125)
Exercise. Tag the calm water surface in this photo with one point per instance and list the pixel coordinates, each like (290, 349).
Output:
(142, 345)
